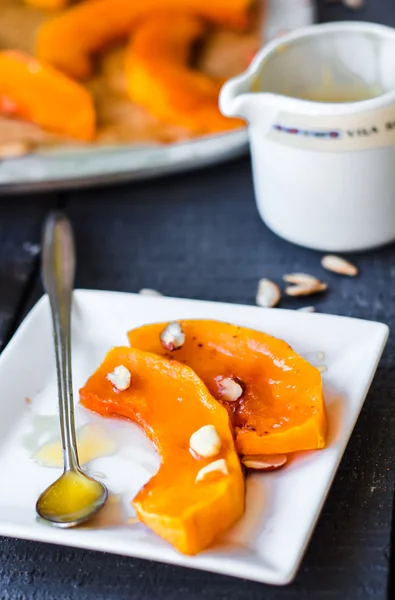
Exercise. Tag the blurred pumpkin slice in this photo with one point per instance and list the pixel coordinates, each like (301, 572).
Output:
(35, 92)
(48, 4)
(69, 39)
(159, 77)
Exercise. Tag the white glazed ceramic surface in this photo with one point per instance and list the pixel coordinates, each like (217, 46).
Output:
(324, 172)
(75, 167)
(282, 507)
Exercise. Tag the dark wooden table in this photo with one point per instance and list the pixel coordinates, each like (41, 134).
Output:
(198, 235)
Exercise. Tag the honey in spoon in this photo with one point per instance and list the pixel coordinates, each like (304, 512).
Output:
(70, 499)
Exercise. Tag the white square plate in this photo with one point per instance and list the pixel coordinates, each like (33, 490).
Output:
(282, 507)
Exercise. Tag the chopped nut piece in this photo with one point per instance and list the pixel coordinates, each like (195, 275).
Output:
(15, 149)
(354, 3)
(32, 249)
(300, 278)
(350, 3)
(306, 289)
(230, 388)
(205, 442)
(307, 309)
(264, 462)
(172, 337)
(322, 368)
(213, 470)
(339, 265)
(268, 294)
(149, 292)
(120, 378)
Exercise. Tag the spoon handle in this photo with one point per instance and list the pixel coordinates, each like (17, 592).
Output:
(58, 269)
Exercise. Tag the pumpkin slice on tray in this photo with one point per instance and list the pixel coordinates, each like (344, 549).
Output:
(273, 395)
(70, 39)
(48, 4)
(198, 492)
(159, 77)
(36, 92)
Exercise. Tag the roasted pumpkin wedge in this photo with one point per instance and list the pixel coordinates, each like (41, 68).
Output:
(36, 92)
(191, 500)
(158, 75)
(48, 4)
(69, 39)
(273, 395)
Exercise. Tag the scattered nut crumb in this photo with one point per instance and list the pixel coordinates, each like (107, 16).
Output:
(305, 289)
(264, 462)
(28, 400)
(213, 470)
(354, 3)
(120, 378)
(300, 278)
(268, 294)
(339, 265)
(231, 389)
(32, 249)
(205, 442)
(322, 368)
(15, 149)
(320, 355)
(172, 337)
(350, 3)
(149, 292)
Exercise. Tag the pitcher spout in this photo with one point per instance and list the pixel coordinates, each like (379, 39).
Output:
(243, 96)
(234, 97)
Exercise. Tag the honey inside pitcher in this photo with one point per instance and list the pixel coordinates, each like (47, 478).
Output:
(326, 68)
(330, 90)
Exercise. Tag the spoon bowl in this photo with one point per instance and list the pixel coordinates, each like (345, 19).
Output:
(71, 499)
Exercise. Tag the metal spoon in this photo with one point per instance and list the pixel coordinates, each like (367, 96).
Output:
(74, 497)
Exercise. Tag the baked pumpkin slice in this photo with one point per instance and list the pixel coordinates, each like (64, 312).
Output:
(36, 92)
(198, 492)
(160, 78)
(48, 4)
(70, 39)
(274, 396)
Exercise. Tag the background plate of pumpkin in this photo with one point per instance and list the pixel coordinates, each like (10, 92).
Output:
(105, 90)
(281, 507)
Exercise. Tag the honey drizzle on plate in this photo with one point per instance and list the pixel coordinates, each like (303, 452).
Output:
(93, 442)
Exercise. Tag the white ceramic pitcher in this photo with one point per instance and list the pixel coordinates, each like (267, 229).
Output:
(324, 171)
